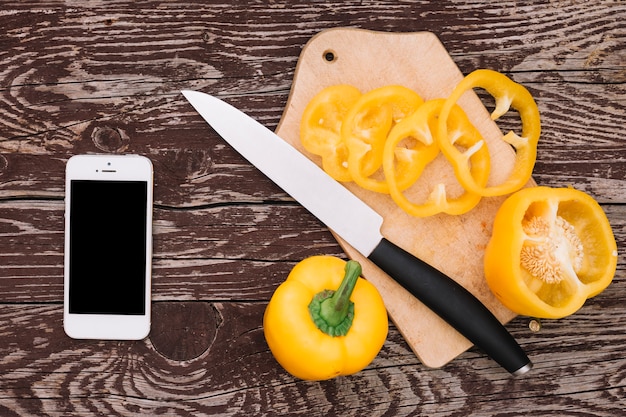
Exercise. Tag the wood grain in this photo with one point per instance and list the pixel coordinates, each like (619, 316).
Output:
(105, 77)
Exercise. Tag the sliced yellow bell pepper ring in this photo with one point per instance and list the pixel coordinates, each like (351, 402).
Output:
(320, 128)
(420, 126)
(507, 94)
(409, 148)
(551, 249)
(366, 126)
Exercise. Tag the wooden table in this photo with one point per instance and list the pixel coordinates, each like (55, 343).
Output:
(85, 77)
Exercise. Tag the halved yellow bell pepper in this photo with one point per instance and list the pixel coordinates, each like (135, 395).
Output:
(324, 320)
(420, 127)
(551, 249)
(366, 126)
(320, 128)
(507, 94)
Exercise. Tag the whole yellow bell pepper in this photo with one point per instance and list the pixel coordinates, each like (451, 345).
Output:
(551, 249)
(324, 320)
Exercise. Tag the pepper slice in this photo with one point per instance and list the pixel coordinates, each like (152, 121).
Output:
(409, 148)
(320, 128)
(551, 249)
(366, 126)
(324, 320)
(507, 94)
(420, 126)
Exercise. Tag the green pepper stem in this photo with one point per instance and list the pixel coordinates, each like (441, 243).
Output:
(332, 311)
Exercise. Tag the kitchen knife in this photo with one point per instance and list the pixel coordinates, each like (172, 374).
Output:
(359, 225)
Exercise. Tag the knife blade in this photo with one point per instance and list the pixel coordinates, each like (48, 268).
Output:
(359, 225)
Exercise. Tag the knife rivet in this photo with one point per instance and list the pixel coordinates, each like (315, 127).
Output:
(534, 325)
(329, 56)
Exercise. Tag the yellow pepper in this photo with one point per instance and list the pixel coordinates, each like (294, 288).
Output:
(420, 126)
(551, 249)
(366, 126)
(507, 94)
(317, 333)
(409, 148)
(383, 140)
(320, 128)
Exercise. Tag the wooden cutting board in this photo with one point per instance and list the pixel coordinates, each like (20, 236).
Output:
(453, 244)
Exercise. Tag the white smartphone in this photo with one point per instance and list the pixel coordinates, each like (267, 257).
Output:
(108, 247)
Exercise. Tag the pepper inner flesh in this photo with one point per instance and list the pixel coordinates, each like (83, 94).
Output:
(552, 251)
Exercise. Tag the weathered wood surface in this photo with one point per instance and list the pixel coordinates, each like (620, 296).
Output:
(105, 77)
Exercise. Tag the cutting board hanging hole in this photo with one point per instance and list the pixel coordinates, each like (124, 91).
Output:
(330, 55)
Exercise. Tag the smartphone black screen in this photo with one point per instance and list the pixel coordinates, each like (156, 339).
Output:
(107, 263)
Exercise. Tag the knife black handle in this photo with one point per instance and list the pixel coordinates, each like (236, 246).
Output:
(453, 303)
